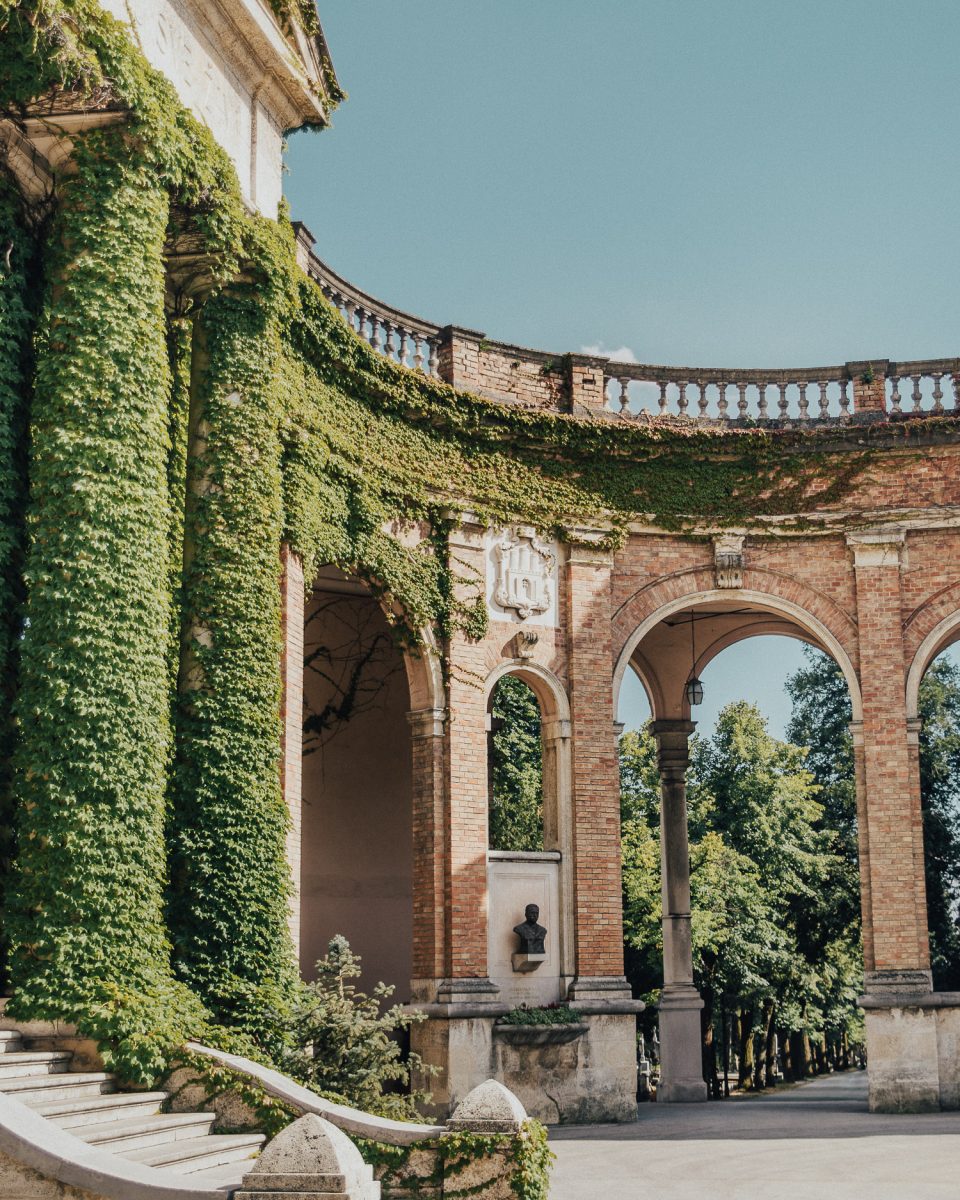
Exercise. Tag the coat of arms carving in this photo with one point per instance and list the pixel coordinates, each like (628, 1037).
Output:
(524, 572)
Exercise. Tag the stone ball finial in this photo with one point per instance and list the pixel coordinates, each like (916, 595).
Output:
(489, 1108)
(311, 1156)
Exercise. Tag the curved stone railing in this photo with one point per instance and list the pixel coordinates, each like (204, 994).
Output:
(351, 1120)
(592, 385)
(794, 396)
(398, 335)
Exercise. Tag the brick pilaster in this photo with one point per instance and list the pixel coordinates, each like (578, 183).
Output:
(428, 729)
(466, 824)
(894, 833)
(291, 745)
(598, 918)
(869, 385)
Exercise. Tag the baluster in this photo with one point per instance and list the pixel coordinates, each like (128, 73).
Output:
(742, 402)
(916, 395)
(937, 393)
(624, 398)
(682, 400)
(434, 361)
(351, 314)
(388, 347)
(762, 401)
(804, 402)
(702, 398)
(375, 341)
(824, 402)
(783, 401)
(404, 346)
(663, 398)
(895, 398)
(417, 352)
(845, 397)
(722, 400)
(362, 321)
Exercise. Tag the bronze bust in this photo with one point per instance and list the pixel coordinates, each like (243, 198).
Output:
(531, 934)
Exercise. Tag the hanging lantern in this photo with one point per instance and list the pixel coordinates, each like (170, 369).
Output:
(694, 688)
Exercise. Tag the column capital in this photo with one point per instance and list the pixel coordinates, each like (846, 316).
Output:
(588, 546)
(468, 529)
(877, 547)
(428, 722)
(673, 744)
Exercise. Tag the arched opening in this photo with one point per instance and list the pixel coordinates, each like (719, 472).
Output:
(757, 914)
(529, 860)
(514, 767)
(356, 874)
(933, 704)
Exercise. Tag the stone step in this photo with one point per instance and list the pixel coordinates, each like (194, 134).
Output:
(116, 1106)
(41, 1089)
(11, 1040)
(226, 1176)
(197, 1154)
(142, 1132)
(16, 1064)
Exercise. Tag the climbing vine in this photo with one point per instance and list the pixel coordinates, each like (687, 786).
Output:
(85, 905)
(450, 1163)
(170, 457)
(16, 319)
(230, 883)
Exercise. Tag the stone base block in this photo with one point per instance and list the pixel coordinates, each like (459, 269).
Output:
(681, 1057)
(902, 1059)
(591, 1077)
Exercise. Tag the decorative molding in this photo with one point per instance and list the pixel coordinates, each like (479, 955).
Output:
(878, 548)
(728, 560)
(428, 722)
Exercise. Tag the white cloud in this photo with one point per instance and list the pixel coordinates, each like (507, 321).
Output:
(623, 354)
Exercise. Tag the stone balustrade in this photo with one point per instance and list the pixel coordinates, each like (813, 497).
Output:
(399, 336)
(589, 385)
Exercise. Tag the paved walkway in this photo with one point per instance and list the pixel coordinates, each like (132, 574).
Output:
(815, 1141)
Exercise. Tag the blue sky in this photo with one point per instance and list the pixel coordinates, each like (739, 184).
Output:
(740, 184)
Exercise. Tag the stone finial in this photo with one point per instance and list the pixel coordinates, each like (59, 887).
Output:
(489, 1108)
(311, 1158)
(728, 560)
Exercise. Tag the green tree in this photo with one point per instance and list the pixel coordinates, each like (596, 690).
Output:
(515, 768)
(821, 716)
(343, 1043)
(768, 953)
(939, 709)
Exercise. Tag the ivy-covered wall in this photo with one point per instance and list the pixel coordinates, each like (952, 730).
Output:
(183, 421)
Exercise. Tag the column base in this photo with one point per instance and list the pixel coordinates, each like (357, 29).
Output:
(681, 1056)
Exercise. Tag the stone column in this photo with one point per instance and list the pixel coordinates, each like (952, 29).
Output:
(680, 1004)
(291, 717)
(901, 1028)
(427, 731)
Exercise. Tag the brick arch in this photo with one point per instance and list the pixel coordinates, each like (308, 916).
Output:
(815, 615)
(424, 674)
(928, 631)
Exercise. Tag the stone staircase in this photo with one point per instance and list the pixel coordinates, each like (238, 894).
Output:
(130, 1125)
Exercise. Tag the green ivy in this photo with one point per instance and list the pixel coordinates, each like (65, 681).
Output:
(230, 883)
(85, 905)
(17, 270)
(452, 1154)
(142, 566)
